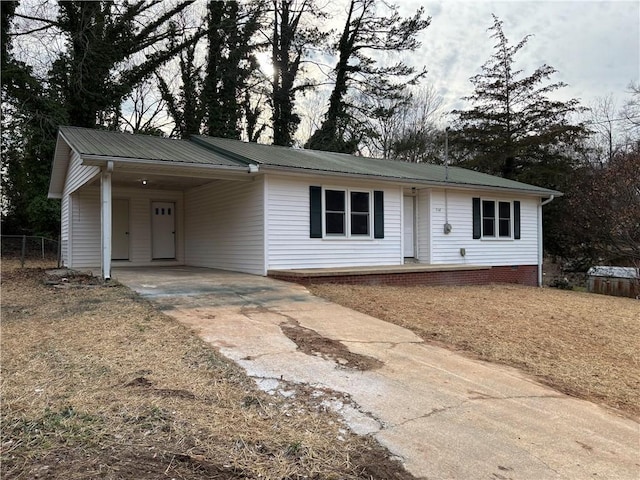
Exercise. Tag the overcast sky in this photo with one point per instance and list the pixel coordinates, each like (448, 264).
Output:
(594, 45)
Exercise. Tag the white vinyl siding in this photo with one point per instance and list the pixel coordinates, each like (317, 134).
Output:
(78, 174)
(494, 251)
(224, 226)
(288, 241)
(65, 208)
(85, 226)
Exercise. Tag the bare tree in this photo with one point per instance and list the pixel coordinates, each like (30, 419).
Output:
(631, 115)
(603, 123)
(367, 31)
(144, 111)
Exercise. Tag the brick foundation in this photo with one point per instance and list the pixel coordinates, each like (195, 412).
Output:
(519, 274)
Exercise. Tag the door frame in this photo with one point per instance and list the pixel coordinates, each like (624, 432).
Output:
(174, 231)
(413, 223)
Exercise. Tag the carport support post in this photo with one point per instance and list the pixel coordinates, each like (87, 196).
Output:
(105, 220)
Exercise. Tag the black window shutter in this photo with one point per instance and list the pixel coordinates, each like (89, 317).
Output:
(516, 220)
(378, 214)
(477, 221)
(315, 212)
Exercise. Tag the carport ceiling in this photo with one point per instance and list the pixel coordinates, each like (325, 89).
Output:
(155, 182)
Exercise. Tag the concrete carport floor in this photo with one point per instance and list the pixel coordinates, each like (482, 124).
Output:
(446, 416)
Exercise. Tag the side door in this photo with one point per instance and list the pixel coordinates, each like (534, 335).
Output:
(163, 230)
(120, 229)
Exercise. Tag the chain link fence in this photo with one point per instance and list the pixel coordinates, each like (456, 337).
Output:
(25, 248)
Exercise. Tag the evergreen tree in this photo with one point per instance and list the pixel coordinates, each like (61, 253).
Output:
(214, 95)
(290, 39)
(30, 119)
(84, 86)
(186, 106)
(366, 31)
(101, 38)
(231, 61)
(514, 129)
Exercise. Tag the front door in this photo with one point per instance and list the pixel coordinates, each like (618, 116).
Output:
(163, 230)
(409, 221)
(120, 229)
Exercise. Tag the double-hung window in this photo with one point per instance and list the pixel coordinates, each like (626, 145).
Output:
(504, 219)
(488, 218)
(360, 208)
(494, 219)
(347, 213)
(335, 208)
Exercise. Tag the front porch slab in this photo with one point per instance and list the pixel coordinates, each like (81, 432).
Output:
(407, 274)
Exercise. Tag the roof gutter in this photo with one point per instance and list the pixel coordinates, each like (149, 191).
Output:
(548, 200)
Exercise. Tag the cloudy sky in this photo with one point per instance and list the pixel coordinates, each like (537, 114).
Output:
(594, 45)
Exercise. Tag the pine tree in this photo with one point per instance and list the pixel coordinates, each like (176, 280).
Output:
(513, 128)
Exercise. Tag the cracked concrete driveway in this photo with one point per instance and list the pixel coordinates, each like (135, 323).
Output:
(444, 415)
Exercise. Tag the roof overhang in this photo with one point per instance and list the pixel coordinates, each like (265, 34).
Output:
(59, 167)
(162, 167)
(408, 182)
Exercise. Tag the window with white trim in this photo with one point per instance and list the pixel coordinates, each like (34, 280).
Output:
(360, 217)
(347, 213)
(335, 208)
(496, 219)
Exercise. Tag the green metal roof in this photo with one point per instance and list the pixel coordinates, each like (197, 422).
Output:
(330, 162)
(88, 141)
(210, 151)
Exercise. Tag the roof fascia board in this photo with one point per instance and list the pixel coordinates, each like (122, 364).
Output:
(61, 133)
(59, 168)
(100, 161)
(405, 182)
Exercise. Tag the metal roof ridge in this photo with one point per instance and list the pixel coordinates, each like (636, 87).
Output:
(100, 131)
(199, 141)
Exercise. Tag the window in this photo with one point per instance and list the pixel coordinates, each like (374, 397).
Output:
(360, 213)
(340, 205)
(488, 218)
(335, 212)
(345, 213)
(504, 219)
(496, 219)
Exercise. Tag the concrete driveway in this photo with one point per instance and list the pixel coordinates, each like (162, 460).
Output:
(444, 415)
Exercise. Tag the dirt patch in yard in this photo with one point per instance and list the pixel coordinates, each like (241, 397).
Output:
(96, 383)
(583, 344)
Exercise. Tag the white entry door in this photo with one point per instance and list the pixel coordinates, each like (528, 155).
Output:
(120, 229)
(163, 230)
(409, 221)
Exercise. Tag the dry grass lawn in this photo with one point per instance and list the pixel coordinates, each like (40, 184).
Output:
(583, 344)
(98, 384)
